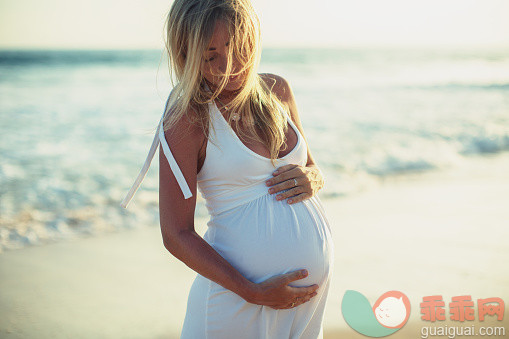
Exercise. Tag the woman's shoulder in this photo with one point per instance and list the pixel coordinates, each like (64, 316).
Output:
(278, 85)
(186, 128)
(281, 87)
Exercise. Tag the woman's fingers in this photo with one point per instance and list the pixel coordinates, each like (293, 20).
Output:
(300, 292)
(295, 275)
(304, 291)
(298, 301)
(298, 183)
(304, 299)
(299, 197)
(284, 296)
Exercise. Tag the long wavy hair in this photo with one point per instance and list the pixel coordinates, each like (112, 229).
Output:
(188, 32)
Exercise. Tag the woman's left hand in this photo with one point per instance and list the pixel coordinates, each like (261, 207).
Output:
(304, 182)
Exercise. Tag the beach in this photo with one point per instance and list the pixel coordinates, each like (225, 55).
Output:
(435, 233)
(403, 106)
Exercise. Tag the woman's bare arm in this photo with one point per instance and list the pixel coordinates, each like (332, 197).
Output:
(181, 239)
(177, 213)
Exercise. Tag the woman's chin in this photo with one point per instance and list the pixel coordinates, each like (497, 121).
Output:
(231, 87)
(234, 88)
(234, 85)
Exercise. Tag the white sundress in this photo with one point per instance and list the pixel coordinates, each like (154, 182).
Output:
(258, 235)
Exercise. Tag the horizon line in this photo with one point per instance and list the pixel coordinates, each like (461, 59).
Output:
(271, 46)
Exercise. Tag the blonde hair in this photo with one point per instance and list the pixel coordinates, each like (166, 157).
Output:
(189, 27)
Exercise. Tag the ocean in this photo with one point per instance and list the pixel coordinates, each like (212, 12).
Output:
(76, 127)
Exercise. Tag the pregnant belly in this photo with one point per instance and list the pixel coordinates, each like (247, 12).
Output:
(266, 237)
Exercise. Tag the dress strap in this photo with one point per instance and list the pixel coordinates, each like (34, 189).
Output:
(159, 138)
(288, 117)
(173, 164)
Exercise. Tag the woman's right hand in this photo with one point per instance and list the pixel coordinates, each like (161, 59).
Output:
(275, 292)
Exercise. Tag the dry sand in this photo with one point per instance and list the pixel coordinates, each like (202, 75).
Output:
(441, 233)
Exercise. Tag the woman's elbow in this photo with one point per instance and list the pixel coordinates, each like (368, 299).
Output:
(175, 241)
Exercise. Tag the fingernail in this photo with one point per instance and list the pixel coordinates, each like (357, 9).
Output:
(304, 272)
(290, 201)
(267, 183)
(274, 173)
(271, 191)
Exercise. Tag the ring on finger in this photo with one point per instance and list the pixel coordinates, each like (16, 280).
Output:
(293, 304)
(294, 182)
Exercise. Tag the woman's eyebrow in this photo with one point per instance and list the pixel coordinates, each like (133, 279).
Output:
(213, 48)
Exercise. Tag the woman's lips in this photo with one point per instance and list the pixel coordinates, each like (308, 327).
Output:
(235, 77)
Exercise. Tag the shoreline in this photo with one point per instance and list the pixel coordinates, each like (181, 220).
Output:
(443, 232)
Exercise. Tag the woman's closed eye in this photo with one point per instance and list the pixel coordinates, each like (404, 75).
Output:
(210, 57)
(213, 58)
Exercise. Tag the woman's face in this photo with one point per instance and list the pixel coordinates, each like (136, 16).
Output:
(215, 60)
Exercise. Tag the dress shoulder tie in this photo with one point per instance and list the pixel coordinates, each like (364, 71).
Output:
(159, 139)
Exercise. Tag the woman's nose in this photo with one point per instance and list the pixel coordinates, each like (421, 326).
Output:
(223, 67)
(224, 63)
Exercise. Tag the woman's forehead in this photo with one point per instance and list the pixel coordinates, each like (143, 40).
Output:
(220, 36)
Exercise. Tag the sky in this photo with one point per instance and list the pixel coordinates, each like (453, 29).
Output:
(125, 24)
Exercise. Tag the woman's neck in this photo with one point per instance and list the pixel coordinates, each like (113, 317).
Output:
(225, 95)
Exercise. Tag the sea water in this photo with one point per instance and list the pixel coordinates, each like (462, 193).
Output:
(76, 126)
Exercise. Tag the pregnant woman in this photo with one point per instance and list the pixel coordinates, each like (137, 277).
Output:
(265, 262)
